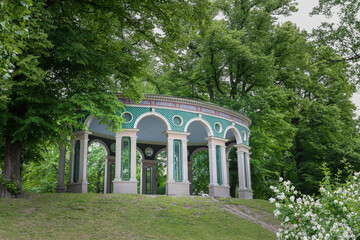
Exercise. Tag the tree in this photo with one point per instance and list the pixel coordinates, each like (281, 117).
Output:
(300, 106)
(77, 56)
(13, 15)
(343, 37)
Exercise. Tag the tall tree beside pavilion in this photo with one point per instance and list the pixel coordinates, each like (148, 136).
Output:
(76, 56)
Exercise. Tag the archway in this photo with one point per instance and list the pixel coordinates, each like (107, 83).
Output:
(97, 159)
(161, 173)
(152, 141)
(231, 156)
(200, 172)
(199, 175)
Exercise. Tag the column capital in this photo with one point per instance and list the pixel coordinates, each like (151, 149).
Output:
(176, 135)
(242, 147)
(128, 132)
(81, 134)
(216, 141)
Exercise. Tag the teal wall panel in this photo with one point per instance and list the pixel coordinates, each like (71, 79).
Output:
(186, 116)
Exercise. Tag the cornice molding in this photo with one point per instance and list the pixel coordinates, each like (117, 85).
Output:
(195, 103)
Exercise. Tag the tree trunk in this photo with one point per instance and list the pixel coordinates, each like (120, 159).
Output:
(12, 163)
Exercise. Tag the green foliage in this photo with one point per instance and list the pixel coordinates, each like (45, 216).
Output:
(342, 37)
(76, 57)
(40, 175)
(13, 31)
(95, 168)
(161, 173)
(334, 214)
(299, 104)
(13, 187)
(201, 174)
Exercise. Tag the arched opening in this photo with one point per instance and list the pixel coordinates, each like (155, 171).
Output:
(200, 172)
(161, 173)
(233, 137)
(152, 141)
(97, 154)
(233, 173)
(199, 175)
(232, 134)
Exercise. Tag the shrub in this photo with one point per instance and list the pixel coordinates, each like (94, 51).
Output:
(333, 214)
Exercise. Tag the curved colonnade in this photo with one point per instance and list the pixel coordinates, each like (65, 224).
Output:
(182, 127)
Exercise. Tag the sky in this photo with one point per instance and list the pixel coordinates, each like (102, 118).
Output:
(304, 21)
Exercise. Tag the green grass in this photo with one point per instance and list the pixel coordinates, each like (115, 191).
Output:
(254, 204)
(260, 209)
(115, 216)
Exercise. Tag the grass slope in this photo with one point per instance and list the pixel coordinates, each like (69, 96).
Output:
(116, 216)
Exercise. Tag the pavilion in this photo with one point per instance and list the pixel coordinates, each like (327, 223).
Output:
(179, 126)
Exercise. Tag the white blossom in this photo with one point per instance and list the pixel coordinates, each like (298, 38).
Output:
(309, 217)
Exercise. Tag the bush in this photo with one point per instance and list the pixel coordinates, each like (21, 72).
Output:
(334, 214)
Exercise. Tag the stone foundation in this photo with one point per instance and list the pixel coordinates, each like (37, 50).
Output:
(129, 187)
(178, 188)
(219, 191)
(78, 187)
(245, 193)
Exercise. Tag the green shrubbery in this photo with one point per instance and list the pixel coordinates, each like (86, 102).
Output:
(12, 186)
(333, 214)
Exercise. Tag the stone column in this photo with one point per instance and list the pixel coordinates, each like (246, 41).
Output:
(120, 185)
(212, 164)
(241, 170)
(185, 172)
(117, 159)
(172, 187)
(245, 190)
(133, 159)
(224, 166)
(170, 160)
(248, 172)
(215, 189)
(71, 162)
(81, 185)
(60, 188)
(105, 174)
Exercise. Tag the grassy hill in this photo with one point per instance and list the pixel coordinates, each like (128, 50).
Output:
(116, 216)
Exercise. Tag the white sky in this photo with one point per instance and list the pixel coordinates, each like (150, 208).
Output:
(304, 21)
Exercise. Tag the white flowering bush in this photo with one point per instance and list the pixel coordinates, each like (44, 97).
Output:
(334, 214)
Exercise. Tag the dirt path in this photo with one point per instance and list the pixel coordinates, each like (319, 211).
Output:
(244, 214)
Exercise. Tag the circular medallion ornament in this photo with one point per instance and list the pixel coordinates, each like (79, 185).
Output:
(149, 151)
(113, 147)
(127, 116)
(177, 120)
(218, 127)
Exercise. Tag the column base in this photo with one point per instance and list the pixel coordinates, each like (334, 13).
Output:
(245, 193)
(178, 188)
(78, 187)
(127, 187)
(60, 189)
(219, 191)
